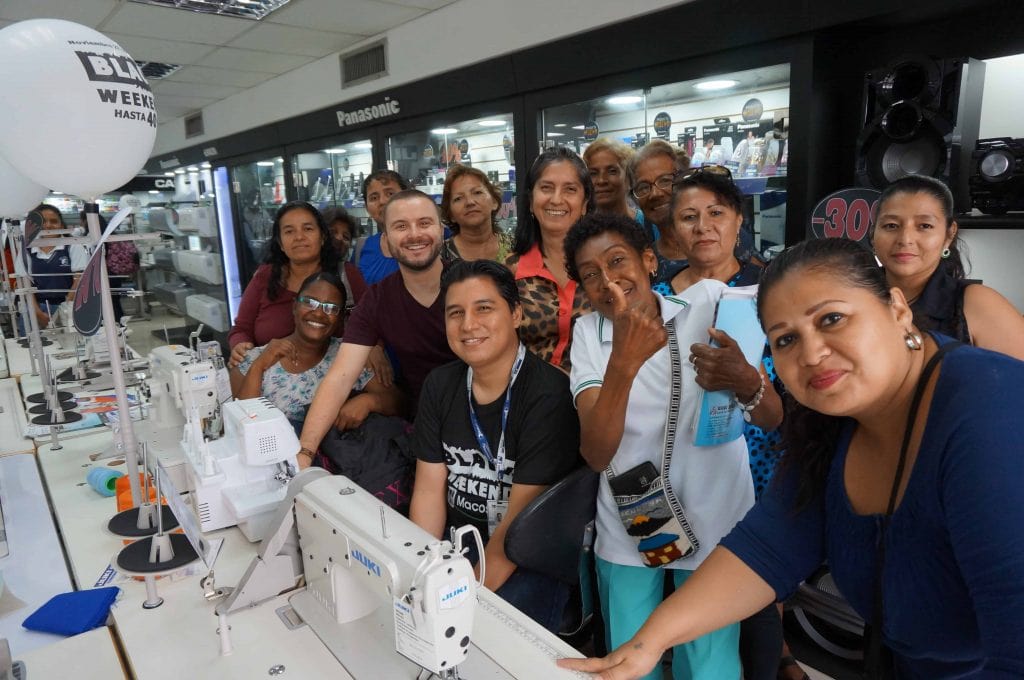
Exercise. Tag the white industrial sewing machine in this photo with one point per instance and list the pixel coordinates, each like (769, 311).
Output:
(237, 477)
(377, 584)
(241, 477)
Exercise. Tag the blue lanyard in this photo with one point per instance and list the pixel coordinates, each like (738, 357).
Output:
(481, 438)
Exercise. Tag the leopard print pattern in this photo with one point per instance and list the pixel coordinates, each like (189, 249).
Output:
(539, 330)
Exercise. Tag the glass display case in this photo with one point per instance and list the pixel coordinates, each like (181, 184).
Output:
(333, 176)
(424, 157)
(738, 119)
(258, 188)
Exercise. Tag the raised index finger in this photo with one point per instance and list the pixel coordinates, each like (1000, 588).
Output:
(619, 304)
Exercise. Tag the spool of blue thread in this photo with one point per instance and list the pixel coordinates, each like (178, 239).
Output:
(103, 480)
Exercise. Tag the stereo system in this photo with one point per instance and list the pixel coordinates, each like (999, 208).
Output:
(997, 175)
(921, 116)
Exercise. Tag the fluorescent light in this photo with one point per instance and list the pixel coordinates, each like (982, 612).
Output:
(192, 168)
(206, 166)
(710, 85)
(560, 125)
(168, 174)
(363, 145)
(338, 150)
(265, 164)
(579, 127)
(491, 123)
(153, 191)
(179, 171)
(444, 131)
(555, 134)
(242, 9)
(625, 99)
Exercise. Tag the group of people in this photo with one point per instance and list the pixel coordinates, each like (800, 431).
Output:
(587, 339)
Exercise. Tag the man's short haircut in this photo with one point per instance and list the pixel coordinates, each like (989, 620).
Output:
(407, 195)
(499, 274)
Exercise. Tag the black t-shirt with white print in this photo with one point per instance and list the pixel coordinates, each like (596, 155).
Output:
(541, 438)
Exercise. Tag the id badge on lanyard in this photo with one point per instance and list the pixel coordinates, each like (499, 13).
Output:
(496, 508)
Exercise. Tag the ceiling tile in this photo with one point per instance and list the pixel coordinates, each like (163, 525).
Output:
(167, 87)
(163, 51)
(253, 60)
(189, 102)
(292, 40)
(173, 24)
(219, 76)
(362, 17)
(90, 12)
(166, 113)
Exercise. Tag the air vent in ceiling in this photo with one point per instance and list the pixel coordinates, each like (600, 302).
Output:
(154, 70)
(368, 63)
(193, 124)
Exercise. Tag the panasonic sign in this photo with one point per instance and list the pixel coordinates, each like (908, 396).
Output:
(368, 114)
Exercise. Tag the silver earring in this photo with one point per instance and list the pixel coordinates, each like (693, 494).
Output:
(945, 253)
(913, 340)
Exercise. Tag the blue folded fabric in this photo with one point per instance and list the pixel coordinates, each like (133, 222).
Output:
(73, 613)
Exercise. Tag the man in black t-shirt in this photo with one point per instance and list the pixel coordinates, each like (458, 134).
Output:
(493, 430)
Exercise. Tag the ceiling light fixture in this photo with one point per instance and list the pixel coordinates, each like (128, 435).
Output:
(338, 150)
(624, 99)
(363, 145)
(206, 166)
(491, 123)
(712, 85)
(555, 134)
(242, 9)
(444, 131)
(579, 127)
(168, 174)
(179, 171)
(265, 164)
(192, 168)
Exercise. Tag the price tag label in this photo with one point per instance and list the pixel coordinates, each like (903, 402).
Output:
(846, 213)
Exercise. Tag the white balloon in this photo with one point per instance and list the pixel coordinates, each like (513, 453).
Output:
(80, 116)
(18, 194)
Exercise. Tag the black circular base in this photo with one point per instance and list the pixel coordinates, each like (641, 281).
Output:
(47, 418)
(40, 398)
(45, 342)
(68, 375)
(126, 523)
(135, 556)
(43, 408)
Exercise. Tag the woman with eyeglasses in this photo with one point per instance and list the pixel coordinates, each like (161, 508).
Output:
(288, 370)
(301, 245)
(651, 174)
(706, 209)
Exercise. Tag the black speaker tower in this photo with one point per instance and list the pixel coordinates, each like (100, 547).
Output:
(921, 117)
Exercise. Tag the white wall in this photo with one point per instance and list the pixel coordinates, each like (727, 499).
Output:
(995, 254)
(419, 49)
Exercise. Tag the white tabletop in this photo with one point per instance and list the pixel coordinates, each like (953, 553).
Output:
(34, 570)
(19, 361)
(178, 639)
(12, 420)
(89, 656)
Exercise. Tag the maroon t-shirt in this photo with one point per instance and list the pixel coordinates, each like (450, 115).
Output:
(413, 333)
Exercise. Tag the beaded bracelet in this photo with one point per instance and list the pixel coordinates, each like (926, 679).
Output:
(754, 402)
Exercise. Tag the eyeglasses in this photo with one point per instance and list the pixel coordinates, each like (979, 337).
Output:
(312, 304)
(719, 170)
(663, 183)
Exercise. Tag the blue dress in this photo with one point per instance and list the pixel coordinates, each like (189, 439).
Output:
(954, 570)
